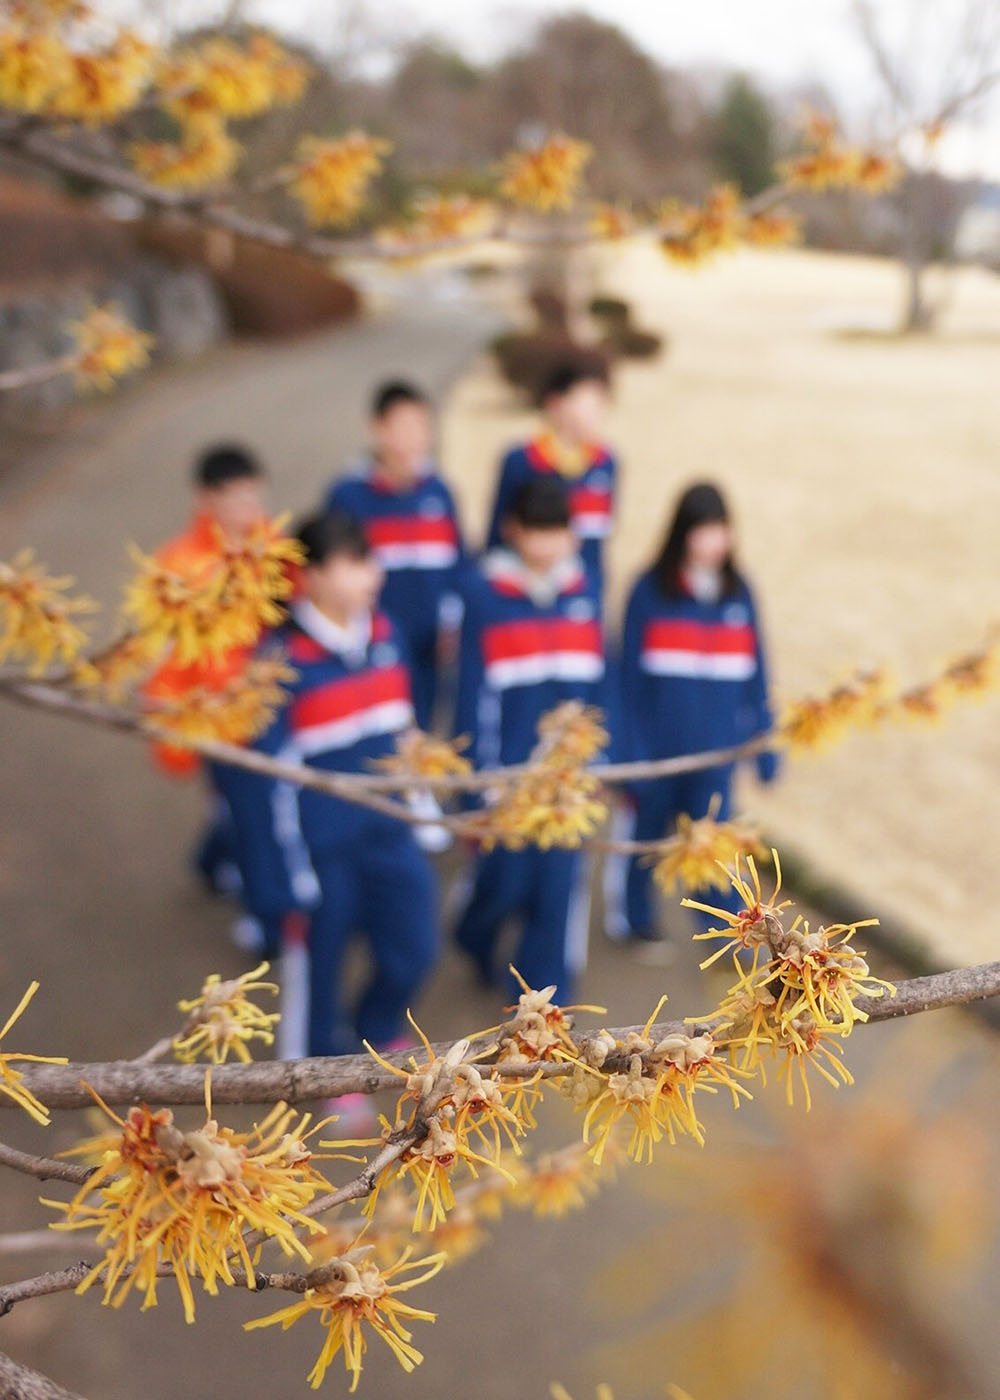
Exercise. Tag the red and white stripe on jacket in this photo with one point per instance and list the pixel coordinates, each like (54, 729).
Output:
(530, 650)
(413, 541)
(590, 511)
(707, 650)
(344, 711)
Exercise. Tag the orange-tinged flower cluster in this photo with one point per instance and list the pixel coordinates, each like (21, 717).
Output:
(829, 163)
(814, 722)
(223, 1020)
(557, 1183)
(234, 81)
(331, 178)
(695, 857)
(649, 1085)
(100, 86)
(180, 1201)
(547, 177)
(235, 712)
(38, 622)
(12, 1085)
(107, 348)
(798, 997)
(41, 72)
(439, 219)
(691, 233)
(351, 1293)
(224, 607)
(611, 222)
(555, 801)
(205, 154)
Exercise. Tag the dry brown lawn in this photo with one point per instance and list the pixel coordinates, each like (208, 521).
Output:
(865, 476)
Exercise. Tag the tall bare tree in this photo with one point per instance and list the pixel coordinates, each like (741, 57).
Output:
(942, 63)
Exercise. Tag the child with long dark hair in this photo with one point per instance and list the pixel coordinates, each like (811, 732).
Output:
(693, 679)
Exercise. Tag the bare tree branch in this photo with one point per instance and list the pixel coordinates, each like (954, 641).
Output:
(297, 1081)
(20, 1383)
(44, 1168)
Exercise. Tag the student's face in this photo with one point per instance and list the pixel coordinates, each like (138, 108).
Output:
(540, 550)
(580, 416)
(402, 437)
(709, 545)
(343, 587)
(236, 506)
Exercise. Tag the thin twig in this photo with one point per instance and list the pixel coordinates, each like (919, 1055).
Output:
(43, 1168)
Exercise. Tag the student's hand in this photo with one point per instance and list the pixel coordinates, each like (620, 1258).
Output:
(447, 646)
(768, 766)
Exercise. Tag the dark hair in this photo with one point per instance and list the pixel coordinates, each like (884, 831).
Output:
(701, 504)
(217, 466)
(334, 533)
(566, 375)
(393, 392)
(542, 503)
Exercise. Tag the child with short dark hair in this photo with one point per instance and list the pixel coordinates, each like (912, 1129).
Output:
(574, 401)
(693, 679)
(412, 524)
(229, 501)
(531, 639)
(361, 869)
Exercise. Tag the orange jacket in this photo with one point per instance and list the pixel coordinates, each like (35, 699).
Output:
(192, 554)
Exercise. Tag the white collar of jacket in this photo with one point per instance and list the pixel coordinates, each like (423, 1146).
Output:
(703, 584)
(504, 566)
(352, 640)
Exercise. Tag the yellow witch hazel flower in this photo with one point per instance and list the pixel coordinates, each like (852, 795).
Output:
(555, 801)
(34, 63)
(653, 1090)
(237, 712)
(691, 233)
(204, 155)
(696, 856)
(461, 1106)
(223, 1019)
(102, 85)
(557, 1183)
(812, 723)
(225, 606)
(11, 1080)
(37, 621)
(331, 178)
(163, 1197)
(800, 992)
(421, 755)
(352, 1292)
(547, 177)
(108, 348)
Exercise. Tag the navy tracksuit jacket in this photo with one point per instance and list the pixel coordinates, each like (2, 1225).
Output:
(591, 496)
(520, 656)
(414, 534)
(357, 869)
(692, 678)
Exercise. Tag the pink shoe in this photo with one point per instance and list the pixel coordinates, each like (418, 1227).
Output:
(355, 1115)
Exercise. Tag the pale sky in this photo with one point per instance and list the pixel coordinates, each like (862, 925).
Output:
(782, 42)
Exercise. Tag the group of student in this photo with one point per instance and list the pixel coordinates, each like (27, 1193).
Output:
(393, 623)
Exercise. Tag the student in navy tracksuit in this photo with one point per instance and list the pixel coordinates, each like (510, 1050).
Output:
(412, 526)
(569, 447)
(531, 638)
(693, 678)
(360, 869)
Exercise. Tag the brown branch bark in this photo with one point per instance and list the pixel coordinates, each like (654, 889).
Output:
(21, 1383)
(43, 1168)
(297, 1081)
